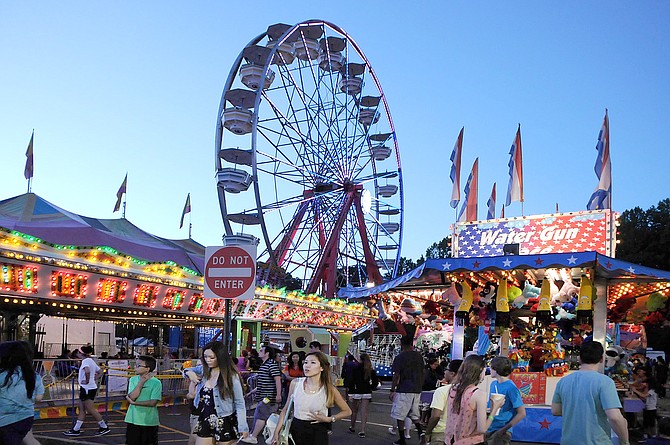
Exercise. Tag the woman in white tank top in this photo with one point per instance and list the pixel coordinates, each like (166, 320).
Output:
(312, 396)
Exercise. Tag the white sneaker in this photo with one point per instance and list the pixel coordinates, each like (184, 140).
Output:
(391, 430)
(249, 439)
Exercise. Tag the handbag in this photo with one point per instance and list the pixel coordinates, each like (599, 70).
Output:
(284, 437)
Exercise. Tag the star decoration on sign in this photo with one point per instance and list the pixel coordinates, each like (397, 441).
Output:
(572, 260)
(631, 269)
(539, 261)
(544, 425)
(507, 263)
(608, 264)
(476, 264)
(446, 266)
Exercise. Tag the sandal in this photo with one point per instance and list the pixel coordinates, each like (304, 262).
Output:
(351, 430)
(361, 434)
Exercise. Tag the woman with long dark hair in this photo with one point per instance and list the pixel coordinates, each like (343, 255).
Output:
(220, 398)
(363, 381)
(18, 384)
(312, 396)
(466, 406)
(293, 368)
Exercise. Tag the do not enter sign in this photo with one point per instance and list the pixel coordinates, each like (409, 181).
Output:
(230, 272)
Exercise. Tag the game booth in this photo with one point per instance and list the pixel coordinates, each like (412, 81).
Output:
(67, 266)
(501, 301)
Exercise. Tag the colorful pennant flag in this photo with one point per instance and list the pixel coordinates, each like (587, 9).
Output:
(120, 193)
(602, 196)
(455, 174)
(491, 203)
(187, 209)
(515, 187)
(28, 170)
(469, 207)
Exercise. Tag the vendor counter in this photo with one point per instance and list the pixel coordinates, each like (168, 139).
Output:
(537, 390)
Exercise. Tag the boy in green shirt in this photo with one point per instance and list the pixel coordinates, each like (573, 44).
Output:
(144, 394)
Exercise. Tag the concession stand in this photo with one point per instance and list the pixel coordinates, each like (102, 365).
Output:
(513, 281)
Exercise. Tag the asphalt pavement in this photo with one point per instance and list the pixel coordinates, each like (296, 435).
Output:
(174, 427)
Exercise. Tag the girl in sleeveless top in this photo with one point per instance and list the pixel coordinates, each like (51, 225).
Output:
(312, 396)
(466, 419)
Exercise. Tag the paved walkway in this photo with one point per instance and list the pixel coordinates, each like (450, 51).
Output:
(174, 427)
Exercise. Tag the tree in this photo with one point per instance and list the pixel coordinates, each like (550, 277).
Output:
(440, 249)
(645, 236)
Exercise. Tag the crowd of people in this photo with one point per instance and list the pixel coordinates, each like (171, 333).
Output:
(300, 399)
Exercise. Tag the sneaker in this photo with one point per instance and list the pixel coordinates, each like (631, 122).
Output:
(72, 432)
(249, 439)
(361, 434)
(351, 430)
(102, 431)
(399, 442)
(392, 430)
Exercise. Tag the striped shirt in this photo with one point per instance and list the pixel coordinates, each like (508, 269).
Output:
(265, 385)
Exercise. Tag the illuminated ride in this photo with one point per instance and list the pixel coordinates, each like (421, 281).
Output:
(307, 158)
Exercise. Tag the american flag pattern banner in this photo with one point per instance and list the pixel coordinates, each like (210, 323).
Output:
(602, 196)
(455, 174)
(515, 187)
(469, 207)
(558, 233)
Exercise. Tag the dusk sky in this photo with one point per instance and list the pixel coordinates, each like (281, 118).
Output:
(126, 86)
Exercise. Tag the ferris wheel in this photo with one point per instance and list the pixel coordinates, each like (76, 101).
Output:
(307, 158)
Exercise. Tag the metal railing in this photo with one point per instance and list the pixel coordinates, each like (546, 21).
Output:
(61, 387)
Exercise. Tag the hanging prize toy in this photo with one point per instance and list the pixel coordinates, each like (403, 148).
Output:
(585, 301)
(543, 313)
(502, 306)
(465, 304)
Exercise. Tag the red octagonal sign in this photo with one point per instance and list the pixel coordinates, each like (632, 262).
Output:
(230, 272)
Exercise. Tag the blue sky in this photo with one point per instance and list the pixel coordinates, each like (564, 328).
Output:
(116, 87)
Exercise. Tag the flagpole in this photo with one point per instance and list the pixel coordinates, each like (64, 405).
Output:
(190, 226)
(124, 206)
(30, 180)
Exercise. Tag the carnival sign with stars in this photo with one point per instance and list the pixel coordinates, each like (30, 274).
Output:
(558, 233)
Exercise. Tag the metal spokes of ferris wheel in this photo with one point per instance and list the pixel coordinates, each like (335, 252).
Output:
(307, 157)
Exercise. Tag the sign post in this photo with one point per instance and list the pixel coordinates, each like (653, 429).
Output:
(230, 272)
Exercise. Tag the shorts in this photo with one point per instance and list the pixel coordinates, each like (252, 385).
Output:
(502, 439)
(141, 434)
(360, 396)
(192, 420)
(264, 410)
(405, 404)
(14, 433)
(649, 418)
(87, 394)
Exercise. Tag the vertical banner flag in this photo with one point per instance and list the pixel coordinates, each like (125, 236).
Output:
(120, 193)
(469, 207)
(28, 171)
(455, 174)
(491, 203)
(515, 187)
(602, 196)
(187, 209)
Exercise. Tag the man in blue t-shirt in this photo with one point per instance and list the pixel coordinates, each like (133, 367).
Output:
(589, 403)
(513, 411)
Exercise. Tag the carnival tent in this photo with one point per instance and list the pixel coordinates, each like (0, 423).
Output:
(33, 215)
